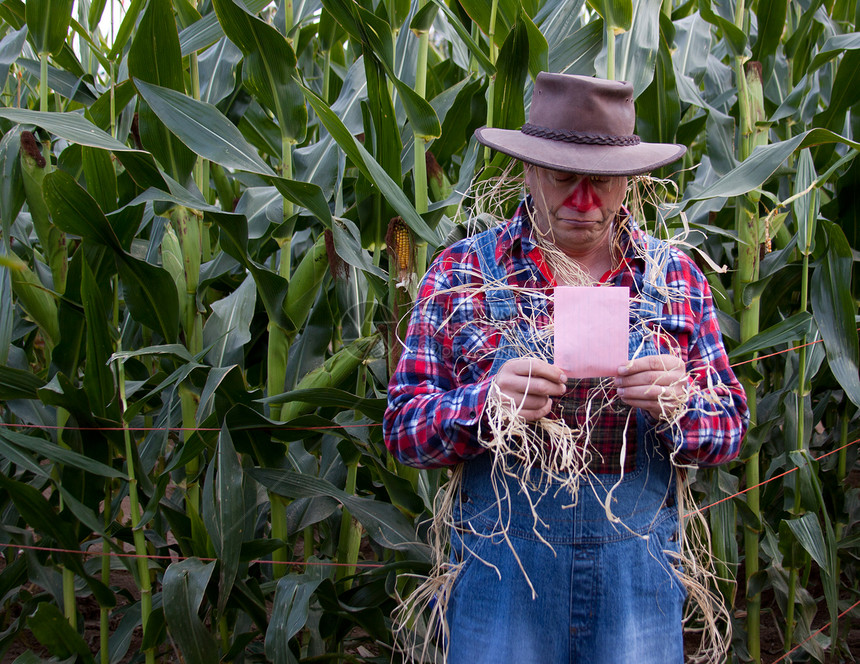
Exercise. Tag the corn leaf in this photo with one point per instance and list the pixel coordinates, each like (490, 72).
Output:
(371, 169)
(73, 127)
(271, 286)
(150, 294)
(202, 128)
(771, 16)
(834, 309)
(10, 48)
(474, 49)
(18, 384)
(39, 515)
(61, 455)
(48, 23)
(228, 328)
(269, 66)
(806, 207)
(229, 513)
(52, 630)
(75, 211)
(218, 70)
(617, 15)
(383, 522)
(154, 57)
(207, 30)
(833, 47)
(636, 50)
(808, 532)
(845, 93)
(100, 175)
(11, 187)
(129, 20)
(659, 109)
(182, 591)
(98, 378)
(289, 614)
(6, 320)
(763, 162)
(511, 73)
(785, 331)
(62, 82)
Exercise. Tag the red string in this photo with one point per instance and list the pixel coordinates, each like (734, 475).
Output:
(779, 352)
(115, 554)
(317, 428)
(812, 636)
(270, 428)
(771, 479)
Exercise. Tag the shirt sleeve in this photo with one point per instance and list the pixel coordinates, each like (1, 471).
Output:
(716, 415)
(432, 420)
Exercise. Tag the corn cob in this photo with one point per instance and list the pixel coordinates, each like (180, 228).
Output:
(51, 238)
(305, 282)
(188, 233)
(401, 247)
(440, 186)
(332, 373)
(37, 301)
(337, 266)
(171, 259)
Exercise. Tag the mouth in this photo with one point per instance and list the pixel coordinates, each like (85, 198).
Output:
(578, 222)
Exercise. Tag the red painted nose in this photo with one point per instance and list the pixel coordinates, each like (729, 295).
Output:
(583, 198)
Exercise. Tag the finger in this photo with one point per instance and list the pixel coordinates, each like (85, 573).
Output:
(651, 363)
(536, 368)
(530, 408)
(537, 386)
(651, 392)
(534, 414)
(652, 378)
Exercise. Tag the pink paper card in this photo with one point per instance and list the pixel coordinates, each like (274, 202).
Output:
(591, 330)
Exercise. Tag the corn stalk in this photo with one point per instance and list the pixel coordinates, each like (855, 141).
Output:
(749, 230)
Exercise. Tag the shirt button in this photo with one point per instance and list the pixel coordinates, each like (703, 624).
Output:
(472, 414)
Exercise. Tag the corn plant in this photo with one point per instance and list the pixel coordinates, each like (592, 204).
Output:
(214, 215)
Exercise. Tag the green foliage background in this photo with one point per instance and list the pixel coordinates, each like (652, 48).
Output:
(198, 309)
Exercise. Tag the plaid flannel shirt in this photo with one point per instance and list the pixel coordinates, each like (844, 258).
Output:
(437, 394)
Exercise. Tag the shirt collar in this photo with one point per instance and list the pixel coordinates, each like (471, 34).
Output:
(518, 231)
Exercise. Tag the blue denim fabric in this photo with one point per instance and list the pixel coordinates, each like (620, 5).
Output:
(605, 593)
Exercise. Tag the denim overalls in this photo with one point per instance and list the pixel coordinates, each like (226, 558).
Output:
(605, 594)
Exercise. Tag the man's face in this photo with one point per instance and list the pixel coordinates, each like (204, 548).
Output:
(575, 211)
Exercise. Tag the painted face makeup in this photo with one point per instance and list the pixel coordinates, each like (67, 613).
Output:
(583, 198)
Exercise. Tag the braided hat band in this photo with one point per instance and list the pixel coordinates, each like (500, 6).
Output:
(581, 137)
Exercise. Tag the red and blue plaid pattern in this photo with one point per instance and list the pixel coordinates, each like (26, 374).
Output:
(437, 394)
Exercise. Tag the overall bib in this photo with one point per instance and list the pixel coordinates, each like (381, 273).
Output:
(605, 593)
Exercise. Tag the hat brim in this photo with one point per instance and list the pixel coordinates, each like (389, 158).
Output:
(580, 158)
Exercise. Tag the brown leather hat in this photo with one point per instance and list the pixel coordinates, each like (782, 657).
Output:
(581, 125)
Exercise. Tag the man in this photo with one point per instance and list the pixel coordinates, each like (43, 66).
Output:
(564, 547)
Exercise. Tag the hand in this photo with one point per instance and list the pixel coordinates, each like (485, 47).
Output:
(656, 383)
(530, 383)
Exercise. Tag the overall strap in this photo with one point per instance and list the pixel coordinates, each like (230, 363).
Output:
(501, 303)
(653, 289)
